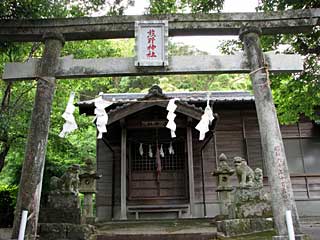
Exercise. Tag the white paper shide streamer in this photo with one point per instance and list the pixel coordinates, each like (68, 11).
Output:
(161, 151)
(101, 115)
(205, 122)
(70, 125)
(170, 149)
(150, 151)
(141, 149)
(171, 116)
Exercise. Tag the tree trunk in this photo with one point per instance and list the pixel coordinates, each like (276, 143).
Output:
(4, 152)
(4, 137)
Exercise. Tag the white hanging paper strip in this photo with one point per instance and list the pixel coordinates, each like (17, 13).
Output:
(70, 125)
(171, 105)
(171, 125)
(171, 116)
(150, 151)
(208, 110)
(205, 122)
(141, 149)
(171, 150)
(161, 151)
(173, 134)
(101, 114)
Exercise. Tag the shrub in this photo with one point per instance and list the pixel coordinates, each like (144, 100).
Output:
(8, 197)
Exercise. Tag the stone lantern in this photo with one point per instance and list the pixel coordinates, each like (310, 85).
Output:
(224, 188)
(88, 188)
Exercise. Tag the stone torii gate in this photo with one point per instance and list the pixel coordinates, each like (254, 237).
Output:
(53, 32)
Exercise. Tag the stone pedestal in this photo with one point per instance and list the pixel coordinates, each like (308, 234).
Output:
(250, 203)
(297, 237)
(63, 200)
(54, 231)
(224, 200)
(88, 205)
(88, 188)
(63, 207)
(224, 188)
(237, 227)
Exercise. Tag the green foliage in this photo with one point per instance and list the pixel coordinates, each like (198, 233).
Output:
(296, 94)
(26, 9)
(195, 6)
(10, 192)
(274, 5)
(7, 203)
(17, 98)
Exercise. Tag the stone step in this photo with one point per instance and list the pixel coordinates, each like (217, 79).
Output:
(182, 229)
(167, 236)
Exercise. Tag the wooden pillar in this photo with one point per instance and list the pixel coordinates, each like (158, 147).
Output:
(33, 166)
(271, 139)
(190, 170)
(123, 211)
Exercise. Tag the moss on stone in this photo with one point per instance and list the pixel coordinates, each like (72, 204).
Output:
(257, 236)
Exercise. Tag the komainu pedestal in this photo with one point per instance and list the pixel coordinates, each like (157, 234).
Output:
(249, 198)
(63, 200)
(250, 203)
(250, 207)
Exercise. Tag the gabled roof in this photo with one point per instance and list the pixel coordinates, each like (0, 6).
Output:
(155, 97)
(188, 104)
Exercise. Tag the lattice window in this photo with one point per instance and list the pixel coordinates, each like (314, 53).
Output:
(169, 162)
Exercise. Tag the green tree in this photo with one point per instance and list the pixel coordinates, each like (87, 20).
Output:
(296, 94)
(60, 152)
(195, 6)
(16, 99)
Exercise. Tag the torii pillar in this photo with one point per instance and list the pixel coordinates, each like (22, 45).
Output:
(33, 166)
(271, 139)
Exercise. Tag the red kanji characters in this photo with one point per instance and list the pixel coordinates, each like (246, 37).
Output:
(151, 44)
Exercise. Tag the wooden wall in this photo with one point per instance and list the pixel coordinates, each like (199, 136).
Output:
(236, 134)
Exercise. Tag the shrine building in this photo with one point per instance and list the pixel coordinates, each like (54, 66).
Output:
(148, 174)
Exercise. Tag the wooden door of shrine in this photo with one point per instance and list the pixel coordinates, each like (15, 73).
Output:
(152, 179)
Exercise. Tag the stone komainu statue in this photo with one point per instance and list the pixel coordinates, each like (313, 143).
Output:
(258, 178)
(68, 182)
(246, 176)
(244, 173)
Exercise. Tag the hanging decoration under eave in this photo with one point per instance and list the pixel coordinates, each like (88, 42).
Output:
(101, 114)
(141, 149)
(170, 149)
(205, 122)
(171, 116)
(70, 125)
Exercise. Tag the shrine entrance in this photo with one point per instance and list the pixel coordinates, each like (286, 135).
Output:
(149, 183)
(152, 172)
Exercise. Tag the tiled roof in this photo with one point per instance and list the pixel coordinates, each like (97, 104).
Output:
(200, 96)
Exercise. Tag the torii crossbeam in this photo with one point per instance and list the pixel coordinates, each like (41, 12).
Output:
(250, 25)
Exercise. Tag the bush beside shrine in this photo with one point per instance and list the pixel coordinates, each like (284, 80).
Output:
(8, 196)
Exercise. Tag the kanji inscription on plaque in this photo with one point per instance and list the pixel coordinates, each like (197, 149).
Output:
(151, 43)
